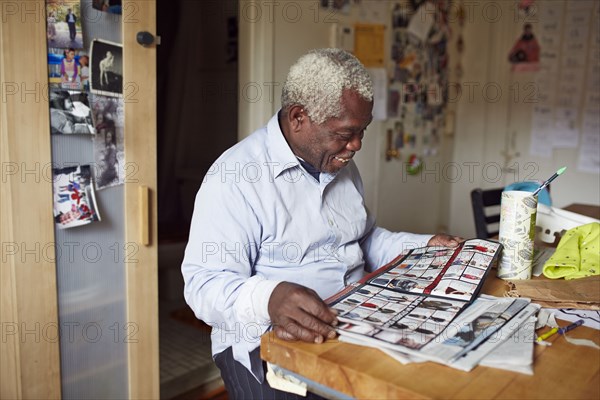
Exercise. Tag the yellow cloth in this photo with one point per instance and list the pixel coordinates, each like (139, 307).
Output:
(577, 255)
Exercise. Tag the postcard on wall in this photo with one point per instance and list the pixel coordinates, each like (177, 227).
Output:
(70, 112)
(63, 24)
(74, 198)
(109, 6)
(525, 53)
(369, 44)
(108, 142)
(106, 68)
(68, 69)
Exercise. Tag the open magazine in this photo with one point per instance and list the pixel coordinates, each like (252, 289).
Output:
(409, 305)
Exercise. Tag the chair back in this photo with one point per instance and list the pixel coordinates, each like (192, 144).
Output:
(486, 211)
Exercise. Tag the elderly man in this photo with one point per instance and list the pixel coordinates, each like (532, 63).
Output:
(280, 223)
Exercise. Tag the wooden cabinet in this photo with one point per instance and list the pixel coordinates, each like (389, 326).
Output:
(32, 336)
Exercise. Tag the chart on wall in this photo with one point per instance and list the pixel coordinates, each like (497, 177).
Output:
(568, 80)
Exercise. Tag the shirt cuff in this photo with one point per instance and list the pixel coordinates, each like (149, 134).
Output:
(260, 300)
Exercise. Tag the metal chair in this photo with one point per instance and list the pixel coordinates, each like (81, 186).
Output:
(482, 200)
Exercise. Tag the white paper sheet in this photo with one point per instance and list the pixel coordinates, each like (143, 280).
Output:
(380, 93)
(542, 131)
(421, 22)
(515, 354)
(566, 133)
(589, 152)
(591, 318)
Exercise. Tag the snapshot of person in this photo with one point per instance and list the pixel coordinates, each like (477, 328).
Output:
(526, 49)
(280, 222)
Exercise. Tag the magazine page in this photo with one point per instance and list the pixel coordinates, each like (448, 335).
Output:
(502, 336)
(516, 353)
(467, 271)
(403, 319)
(480, 322)
(443, 342)
(456, 273)
(510, 348)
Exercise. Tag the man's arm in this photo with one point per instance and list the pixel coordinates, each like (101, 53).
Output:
(217, 267)
(220, 286)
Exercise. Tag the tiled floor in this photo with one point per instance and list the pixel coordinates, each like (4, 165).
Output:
(185, 357)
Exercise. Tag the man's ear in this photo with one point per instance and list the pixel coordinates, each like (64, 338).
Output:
(297, 117)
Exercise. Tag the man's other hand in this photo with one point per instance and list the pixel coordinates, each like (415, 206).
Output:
(298, 313)
(441, 239)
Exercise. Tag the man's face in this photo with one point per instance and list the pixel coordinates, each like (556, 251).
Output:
(330, 146)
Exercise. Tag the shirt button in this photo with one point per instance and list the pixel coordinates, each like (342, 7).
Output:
(330, 222)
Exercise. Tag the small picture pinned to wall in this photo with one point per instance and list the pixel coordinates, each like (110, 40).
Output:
(109, 6)
(70, 112)
(337, 5)
(106, 68)
(74, 197)
(393, 103)
(525, 53)
(68, 69)
(63, 24)
(108, 141)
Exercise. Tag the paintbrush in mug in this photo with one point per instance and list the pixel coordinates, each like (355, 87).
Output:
(553, 177)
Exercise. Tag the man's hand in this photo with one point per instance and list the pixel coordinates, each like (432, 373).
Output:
(441, 239)
(297, 313)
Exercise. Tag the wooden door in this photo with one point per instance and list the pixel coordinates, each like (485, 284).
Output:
(31, 343)
(141, 229)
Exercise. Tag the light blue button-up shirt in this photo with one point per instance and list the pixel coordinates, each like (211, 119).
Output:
(260, 219)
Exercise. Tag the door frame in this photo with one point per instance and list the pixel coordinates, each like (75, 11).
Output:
(29, 349)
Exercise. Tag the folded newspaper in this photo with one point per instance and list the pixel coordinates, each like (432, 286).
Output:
(419, 306)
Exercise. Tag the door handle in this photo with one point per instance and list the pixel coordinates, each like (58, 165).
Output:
(144, 214)
(147, 39)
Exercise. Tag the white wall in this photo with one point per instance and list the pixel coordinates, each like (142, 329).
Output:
(437, 199)
(492, 123)
(283, 33)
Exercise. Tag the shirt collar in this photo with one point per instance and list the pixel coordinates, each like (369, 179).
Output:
(280, 153)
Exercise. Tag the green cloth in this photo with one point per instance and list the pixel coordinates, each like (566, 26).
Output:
(577, 254)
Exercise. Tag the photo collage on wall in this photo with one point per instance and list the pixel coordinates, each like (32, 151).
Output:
(85, 78)
(418, 91)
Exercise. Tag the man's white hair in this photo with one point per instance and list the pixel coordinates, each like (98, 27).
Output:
(317, 80)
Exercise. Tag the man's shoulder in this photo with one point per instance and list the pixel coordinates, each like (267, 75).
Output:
(242, 161)
(250, 148)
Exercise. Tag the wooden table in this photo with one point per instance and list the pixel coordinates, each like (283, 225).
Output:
(588, 210)
(561, 371)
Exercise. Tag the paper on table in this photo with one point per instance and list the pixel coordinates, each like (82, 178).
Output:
(286, 383)
(547, 318)
(402, 358)
(516, 353)
(469, 360)
(591, 318)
